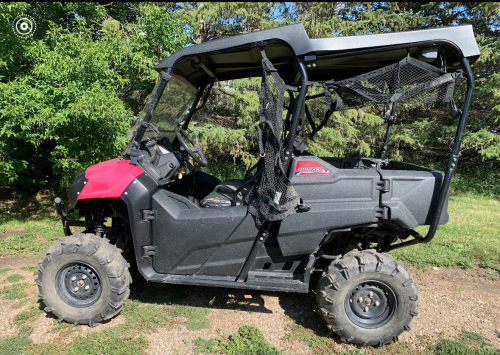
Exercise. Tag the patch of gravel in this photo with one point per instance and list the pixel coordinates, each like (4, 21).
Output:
(454, 300)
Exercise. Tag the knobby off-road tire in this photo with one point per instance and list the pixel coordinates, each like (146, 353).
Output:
(83, 279)
(367, 298)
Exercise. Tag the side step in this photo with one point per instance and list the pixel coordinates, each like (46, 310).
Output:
(217, 282)
(277, 279)
(271, 280)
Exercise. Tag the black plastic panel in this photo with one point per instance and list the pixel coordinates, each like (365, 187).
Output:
(137, 196)
(186, 235)
(77, 187)
(230, 257)
(413, 194)
(343, 197)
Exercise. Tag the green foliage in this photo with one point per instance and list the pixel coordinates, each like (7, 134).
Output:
(226, 168)
(68, 94)
(248, 341)
(422, 136)
(71, 104)
(482, 181)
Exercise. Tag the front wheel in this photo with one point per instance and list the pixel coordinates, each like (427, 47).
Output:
(83, 279)
(367, 298)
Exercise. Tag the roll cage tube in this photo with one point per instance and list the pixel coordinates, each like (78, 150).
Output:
(299, 111)
(194, 107)
(453, 158)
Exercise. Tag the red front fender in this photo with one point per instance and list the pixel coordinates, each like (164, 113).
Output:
(108, 179)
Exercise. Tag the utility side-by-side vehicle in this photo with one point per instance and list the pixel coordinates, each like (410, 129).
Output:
(294, 214)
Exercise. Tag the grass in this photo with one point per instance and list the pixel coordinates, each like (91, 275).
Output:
(41, 235)
(148, 317)
(248, 341)
(15, 278)
(316, 338)
(62, 328)
(28, 315)
(470, 344)
(4, 270)
(31, 268)
(15, 291)
(107, 342)
(31, 222)
(14, 344)
(470, 238)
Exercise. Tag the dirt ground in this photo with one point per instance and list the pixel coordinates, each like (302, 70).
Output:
(451, 301)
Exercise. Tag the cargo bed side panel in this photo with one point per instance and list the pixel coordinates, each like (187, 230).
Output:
(336, 197)
(413, 195)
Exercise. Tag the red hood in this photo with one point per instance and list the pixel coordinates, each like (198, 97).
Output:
(108, 179)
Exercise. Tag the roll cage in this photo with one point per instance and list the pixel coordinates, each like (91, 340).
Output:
(304, 62)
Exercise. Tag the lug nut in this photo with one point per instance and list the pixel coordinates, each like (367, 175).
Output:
(73, 278)
(370, 294)
(87, 287)
(84, 277)
(377, 304)
(360, 299)
(366, 309)
(75, 289)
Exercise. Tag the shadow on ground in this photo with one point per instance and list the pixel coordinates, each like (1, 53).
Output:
(301, 308)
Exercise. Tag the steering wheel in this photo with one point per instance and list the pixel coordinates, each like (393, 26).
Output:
(181, 134)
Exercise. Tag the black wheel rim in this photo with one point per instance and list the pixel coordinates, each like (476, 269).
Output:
(78, 284)
(370, 304)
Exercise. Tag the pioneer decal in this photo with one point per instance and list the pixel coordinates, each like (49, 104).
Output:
(310, 168)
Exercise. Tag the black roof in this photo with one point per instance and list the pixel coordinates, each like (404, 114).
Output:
(238, 56)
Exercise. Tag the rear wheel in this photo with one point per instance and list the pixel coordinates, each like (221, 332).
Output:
(367, 298)
(83, 279)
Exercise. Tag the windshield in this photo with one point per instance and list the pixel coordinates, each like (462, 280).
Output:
(174, 103)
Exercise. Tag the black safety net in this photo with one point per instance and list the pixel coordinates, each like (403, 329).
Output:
(410, 81)
(271, 198)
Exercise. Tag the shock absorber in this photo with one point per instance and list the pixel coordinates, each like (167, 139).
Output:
(366, 242)
(99, 227)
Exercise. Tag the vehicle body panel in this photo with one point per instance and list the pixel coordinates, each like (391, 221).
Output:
(187, 235)
(108, 179)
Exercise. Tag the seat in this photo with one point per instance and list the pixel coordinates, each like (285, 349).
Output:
(223, 194)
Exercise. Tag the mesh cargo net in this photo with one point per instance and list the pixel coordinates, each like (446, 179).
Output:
(271, 198)
(410, 81)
